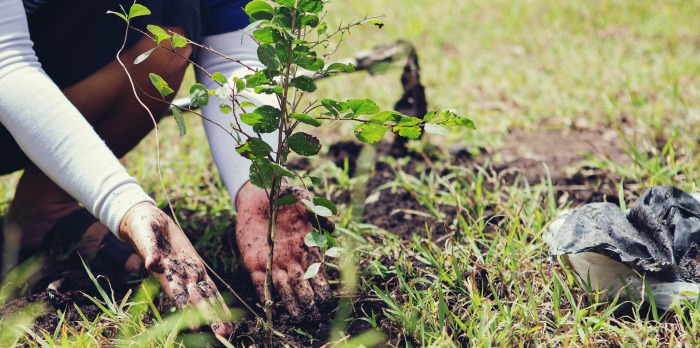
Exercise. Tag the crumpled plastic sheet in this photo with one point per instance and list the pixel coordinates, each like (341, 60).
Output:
(654, 248)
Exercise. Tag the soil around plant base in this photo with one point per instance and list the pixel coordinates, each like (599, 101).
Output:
(396, 210)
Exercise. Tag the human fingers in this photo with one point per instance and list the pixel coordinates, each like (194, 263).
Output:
(281, 281)
(319, 283)
(258, 278)
(201, 293)
(205, 297)
(303, 293)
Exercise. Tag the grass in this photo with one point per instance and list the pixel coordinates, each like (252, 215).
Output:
(625, 65)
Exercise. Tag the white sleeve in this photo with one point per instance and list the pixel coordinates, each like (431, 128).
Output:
(233, 168)
(53, 133)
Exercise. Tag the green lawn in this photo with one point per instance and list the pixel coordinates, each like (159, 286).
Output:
(529, 65)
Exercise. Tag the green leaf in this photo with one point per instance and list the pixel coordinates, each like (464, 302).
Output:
(362, 107)
(288, 3)
(254, 148)
(223, 93)
(240, 84)
(306, 58)
(408, 120)
(264, 35)
(287, 199)
(258, 10)
(326, 203)
(283, 17)
(257, 79)
(312, 271)
(310, 20)
(448, 118)
(304, 118)
(322, 28)
(268, 89)
(199, 95)
(304, 144)
(411, 132)
(267, 54)
(303, 83)
(219, 78)
(180, 120)
(316, 181)
(143, 56)
(160, 85)
(120, 15)
(370, 132)
(138, 10)
(246, 104)
(378, 23)
(334, 252)
(386, 116)
(334, 108)
(315, 239)
(340, 67)
(225, 108)
(179, 41)
(264, 119)
(317, 209)
(312, 6)
(159, 33)
(436, 129)
(262, 170)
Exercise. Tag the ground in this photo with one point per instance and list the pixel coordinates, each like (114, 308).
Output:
(446, 236)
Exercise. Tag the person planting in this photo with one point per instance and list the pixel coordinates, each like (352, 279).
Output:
(68, 112)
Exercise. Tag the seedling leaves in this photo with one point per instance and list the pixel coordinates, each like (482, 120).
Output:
(138, 10)
(143, 56)
(362, 106)
(225, 108)
(264, 119)
(334, 252)
(287, 199)
(303, 83)
(259, 10)
(370, 132)
(411, 132)
(160, 85)
(304, 144)
(180, 120)
(262, 171)
(159, 33)
(254, 148)
(179, 41)
(326, 203)
(312, 271)
(304, 118)
(317, 209)
(219, 77)
(315, 239)
(198, 95)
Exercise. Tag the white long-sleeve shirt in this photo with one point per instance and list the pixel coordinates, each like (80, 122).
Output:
(53, 133)
(57, 138)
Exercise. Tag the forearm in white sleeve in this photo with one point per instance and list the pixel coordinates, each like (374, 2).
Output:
(53, 133)
(233, 168)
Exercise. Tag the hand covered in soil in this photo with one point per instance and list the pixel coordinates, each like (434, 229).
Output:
(171, 258)
(304, 298)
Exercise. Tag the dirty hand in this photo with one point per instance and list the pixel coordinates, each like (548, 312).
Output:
(171, 258)
(304, 298)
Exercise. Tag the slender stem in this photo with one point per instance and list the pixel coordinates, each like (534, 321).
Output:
(272, 231)
(274, 190)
